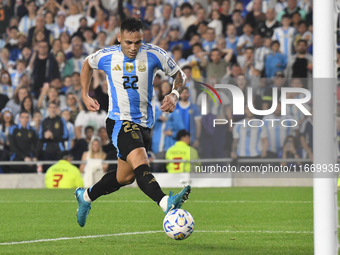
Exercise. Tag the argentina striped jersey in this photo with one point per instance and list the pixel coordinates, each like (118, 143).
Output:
(130, 81)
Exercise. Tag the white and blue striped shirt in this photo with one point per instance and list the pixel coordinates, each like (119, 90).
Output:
(277, 132)
(131, 93)
(25, 24)
(286, 39)
(249, 138)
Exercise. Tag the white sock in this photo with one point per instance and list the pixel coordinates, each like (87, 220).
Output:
(164, 203)
(86, 197)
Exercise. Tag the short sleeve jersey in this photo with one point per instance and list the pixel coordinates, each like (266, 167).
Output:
(130, 90)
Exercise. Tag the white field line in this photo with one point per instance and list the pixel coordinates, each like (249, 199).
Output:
(148, 201)
(153, 232)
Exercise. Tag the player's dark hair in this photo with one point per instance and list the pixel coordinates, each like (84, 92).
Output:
(186, 5)
(131, 25)
(285, 16)
(197, 44)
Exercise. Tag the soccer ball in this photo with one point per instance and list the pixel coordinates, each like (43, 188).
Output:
(178, 224)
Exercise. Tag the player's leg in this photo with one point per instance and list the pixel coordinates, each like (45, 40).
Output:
(138, 160)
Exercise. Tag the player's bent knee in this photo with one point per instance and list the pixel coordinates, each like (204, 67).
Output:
(138, 157)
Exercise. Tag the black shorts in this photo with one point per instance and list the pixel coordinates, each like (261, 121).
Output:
(126, 136)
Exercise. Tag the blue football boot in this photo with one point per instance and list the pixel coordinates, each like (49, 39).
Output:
(176, 201)
(83, 207)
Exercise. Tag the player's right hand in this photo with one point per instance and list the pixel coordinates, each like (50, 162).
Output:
(91, 104)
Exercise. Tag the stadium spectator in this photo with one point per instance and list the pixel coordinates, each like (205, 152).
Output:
(74, 105)
(49, 95)
(27, 105)
(167, 19)
(22, 142)
(303, 33)
(86, 118)
(49, 21)
(187, 18)
(193, 29)
(39, 27)
(216, 68)
(301, 64)
(266, 28)
(247, 62)
(231, 74)
(66, 115)
(246, 142)
(195, 62)
(166, 125)
(36, 121)
(174, 39)
(149, 16)
(60, 25)
(112, 30)
(296, 19)
(74, 64)
(65, 40)
(73, 19)
(225, 16)
(290, 150)
(290, 10)
(107, 146)
(275, 61)
(181, 150)
(245, 40)
(63, 174)
(53, 133)
(94, 161)
(89, 43)
(285, 35)
(7, 120)
(44, 68)
(231, 39)
(277, 133)
(56, 46)
(61, 59)
(209, 42)
(190, 115)
(261, 53)
(81, 145)
(237, 21)
(216, 23)
(18, 72)
(82, 26)
(101, 24)
(14, 104)
(6, 87)
(278, 82)
(75, 88)
(256, 16)
(12, 45)
(101, 89)
(5, 62)
(5, 10)
(101, 40)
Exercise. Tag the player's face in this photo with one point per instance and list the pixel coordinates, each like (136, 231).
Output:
(130, 42)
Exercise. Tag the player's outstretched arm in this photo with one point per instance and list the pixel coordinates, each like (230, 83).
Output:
(170, 101)
(85, 80)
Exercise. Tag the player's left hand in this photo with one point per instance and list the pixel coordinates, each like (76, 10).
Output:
(169, 103)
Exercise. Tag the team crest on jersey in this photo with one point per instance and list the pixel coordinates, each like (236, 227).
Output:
(134, 135)
(129, 67)
(141, 66)
(29, 134)
(56, 125)
(19, 134)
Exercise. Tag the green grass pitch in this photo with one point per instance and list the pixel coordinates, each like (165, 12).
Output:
(227, 221)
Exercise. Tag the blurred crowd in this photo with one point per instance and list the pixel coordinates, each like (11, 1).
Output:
(249, 43)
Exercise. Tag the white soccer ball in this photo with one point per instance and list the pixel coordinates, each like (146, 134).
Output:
(178, 224)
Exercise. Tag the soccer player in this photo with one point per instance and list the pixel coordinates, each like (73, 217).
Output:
(130, 68)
